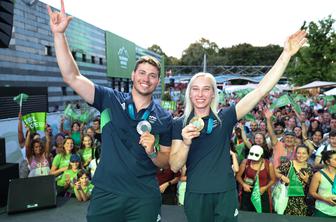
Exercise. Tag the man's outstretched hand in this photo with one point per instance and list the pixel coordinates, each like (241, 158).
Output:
(59, 21)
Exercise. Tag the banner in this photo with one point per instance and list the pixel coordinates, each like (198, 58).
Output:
(256, 197)
(168, 105)
(35, 121)
(120, 54)
(295, 188)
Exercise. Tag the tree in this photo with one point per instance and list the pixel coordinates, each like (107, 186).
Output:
(168, 60)
(317, 61)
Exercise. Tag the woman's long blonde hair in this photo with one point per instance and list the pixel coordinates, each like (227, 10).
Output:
(189, 106)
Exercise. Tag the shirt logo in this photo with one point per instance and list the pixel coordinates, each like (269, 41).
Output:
(123, 106)
(152, 119)
(215, 123)
(236, 213)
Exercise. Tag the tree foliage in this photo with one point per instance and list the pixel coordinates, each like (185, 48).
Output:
(317, 61)
(313, 62)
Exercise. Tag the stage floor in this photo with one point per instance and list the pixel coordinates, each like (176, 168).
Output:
(69, 210)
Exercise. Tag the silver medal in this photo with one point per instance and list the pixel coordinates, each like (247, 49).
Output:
(143, 126)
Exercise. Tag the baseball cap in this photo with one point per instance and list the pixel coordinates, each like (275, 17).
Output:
(289, 133)
(255, 153)
(75, 158)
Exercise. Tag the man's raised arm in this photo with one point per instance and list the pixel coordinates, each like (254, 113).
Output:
(84, 87)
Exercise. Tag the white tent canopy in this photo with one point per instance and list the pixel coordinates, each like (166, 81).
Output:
(331, 92)
(317, 84)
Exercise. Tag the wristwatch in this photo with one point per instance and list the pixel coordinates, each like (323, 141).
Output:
(152, 155)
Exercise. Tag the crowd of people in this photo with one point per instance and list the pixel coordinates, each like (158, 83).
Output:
(208, 157)
(275, 141)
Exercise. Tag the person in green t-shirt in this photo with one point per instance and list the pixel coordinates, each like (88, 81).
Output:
(86, 152)
(76, 133)
(69, 177)
(83, 187)
(62, 160)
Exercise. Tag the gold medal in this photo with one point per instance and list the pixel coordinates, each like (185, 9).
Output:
(197, 122)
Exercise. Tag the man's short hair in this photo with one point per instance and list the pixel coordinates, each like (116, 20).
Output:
(148, 59)
(332, 133)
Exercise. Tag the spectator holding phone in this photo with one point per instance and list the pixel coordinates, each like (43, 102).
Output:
(69, 178)
(83, 187)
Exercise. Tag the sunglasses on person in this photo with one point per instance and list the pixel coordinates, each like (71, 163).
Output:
(254, 154)
(151, 60)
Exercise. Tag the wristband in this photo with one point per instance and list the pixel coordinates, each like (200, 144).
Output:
(169, 183)
(152, 155)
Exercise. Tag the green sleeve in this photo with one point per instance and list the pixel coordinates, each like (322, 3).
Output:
(61, 182)
(57, 160)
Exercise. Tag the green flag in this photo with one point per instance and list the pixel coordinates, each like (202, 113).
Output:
(240, 152)
(85, 117)
(328, 99)
(35, 121)
(221, 97)
(295, 188)
(22, 97)
(332, 109)
(256, 197)
(281, 101)
(72, 114)
(242, 92)
(300, 97)
(284, 101)
(250, 117)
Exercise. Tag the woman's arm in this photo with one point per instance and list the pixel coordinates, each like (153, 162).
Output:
(246, 187)
(315, 183)
(21, 138)
(272, 178)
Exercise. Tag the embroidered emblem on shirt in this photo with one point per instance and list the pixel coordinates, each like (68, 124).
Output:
(123, 106)
(215, 123)
(236, 213)
(152, 119)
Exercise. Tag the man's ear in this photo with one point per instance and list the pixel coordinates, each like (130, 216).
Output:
(132, 76)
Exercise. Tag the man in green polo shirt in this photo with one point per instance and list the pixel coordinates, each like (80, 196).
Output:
(201, 141)
(125, 185)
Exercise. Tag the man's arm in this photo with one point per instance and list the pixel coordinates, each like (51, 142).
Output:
(21, 138)
(178, 155)
(84, 87)
(292, 45)
(162, 158)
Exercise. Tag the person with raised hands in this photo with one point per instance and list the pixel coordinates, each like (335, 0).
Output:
(125, 185)
(201, 140)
